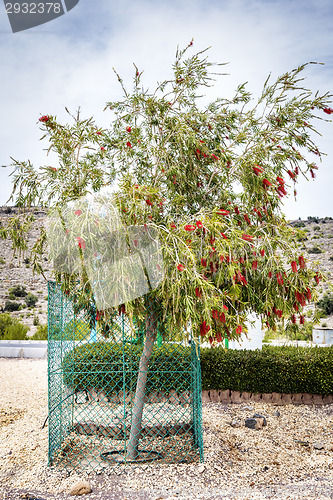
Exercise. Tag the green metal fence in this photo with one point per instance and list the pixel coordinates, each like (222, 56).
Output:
(92, 378)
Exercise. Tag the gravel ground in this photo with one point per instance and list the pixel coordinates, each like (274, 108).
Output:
(290, 458)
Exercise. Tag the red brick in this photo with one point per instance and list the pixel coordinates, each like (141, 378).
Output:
(297, 399)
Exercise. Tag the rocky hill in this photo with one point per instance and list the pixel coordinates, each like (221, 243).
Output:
(316, 237)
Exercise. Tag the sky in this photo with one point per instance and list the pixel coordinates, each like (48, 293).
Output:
(69, 62)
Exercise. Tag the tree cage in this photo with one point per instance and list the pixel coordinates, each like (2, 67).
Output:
(92, 380)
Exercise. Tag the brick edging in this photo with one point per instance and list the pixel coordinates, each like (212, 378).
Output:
(228, 396)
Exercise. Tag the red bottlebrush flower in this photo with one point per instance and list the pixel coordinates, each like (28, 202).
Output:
(279, 313)
(237, 210)
(188, 242)
(128, 144)
(204, 328)
(266, 183)
(280, 180)
(215, 157)
(81, 242)
(294, 266)
(255, 265)
(204, 262)
(199, 224)
(77, 212)
(149, 202)
(215, 314)
(219, 337)
(262, 252)
(308, 294)
(293, 319)
(197, 153)
(239, 330)
(295, 306)
(243, 280)
(44, 118)
(317, 279)
(313, 175)
(302, 320)
(279, 278)
(135, 243)
(99, 315)
(270, 274)
(173, 225)
(189, 227)
(224, 236)
(198, 293)
(258, 170)
(225, 307)
(223, 212)
(281, 190)
(129, 129)
(222, 317)
(212, 240)
(99, 133)
(301, 262)
(296, 170)
(221, 258)
(180, 267)
(246, 217)
(102, 148)
(247, 237)
(328, 111)
(291, 174)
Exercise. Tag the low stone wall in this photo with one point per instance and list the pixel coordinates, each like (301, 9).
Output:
(228, 396)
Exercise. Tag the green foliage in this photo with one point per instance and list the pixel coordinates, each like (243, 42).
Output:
(12, 329)
(12, 305)
(173, 163)
(99, 365)
(299, 224)
(18, 291)
(274, 369)
(40, 334)
(31, 300)
(2, 260)
(36, 321)
(315, 250)
(316, 228)
(326, 304)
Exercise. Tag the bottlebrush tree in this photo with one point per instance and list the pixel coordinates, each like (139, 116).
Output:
(210, 180)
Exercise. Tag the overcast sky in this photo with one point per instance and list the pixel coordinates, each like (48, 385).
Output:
(69, 61)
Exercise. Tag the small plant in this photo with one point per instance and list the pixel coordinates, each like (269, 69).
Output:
(12, 305)
(12, 329)
(316, 228)
(324, 325)
(31, 300)
(41, 333)
(2, 261)
(299, 224)
(26, 260)
(315, 250)
(18, 291)
(326, 304)
(36, 321)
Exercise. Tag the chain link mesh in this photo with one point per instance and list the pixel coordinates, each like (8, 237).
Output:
(92, 381)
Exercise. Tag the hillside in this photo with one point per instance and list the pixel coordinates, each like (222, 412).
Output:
(315, 233)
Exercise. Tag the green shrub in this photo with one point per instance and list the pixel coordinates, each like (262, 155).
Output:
(316, 228)
(326, 304)
(299, 224)
(31, 300)
(12, 329)
(18, 291)
(36, 321)
(12, 305)
(274, 369)
(314, 250)
(99, 365)
(41, 333)
(2, 261)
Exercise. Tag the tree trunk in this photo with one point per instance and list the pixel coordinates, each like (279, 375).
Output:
(136, 423)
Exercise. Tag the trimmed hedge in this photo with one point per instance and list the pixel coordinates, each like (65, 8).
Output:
(274, 369)
(99, 365)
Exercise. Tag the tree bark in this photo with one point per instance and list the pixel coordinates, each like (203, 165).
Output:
(136, 423)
